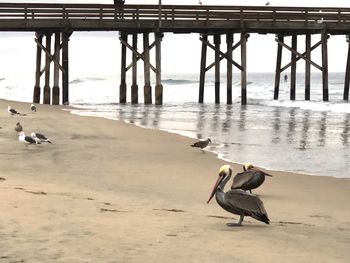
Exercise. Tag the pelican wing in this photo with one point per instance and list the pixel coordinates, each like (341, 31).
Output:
(246, 204)
(242, 178)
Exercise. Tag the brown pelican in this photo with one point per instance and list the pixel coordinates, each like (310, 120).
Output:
(250, 179)
(201, 144)
(18, 127)
(237, 201)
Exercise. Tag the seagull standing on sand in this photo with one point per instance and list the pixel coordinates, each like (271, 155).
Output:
(26, 139)
(39, 138)
(18, 127)
(12, 111)
(201, 144)
(33, 108)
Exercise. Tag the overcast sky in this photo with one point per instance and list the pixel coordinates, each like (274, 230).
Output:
(181, 53)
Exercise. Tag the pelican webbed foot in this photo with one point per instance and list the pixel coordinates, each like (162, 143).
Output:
(233, 224)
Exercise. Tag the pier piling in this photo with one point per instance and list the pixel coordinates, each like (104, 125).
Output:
(56, 88)
(159, 86)
(293, 68)
(278, 67)
(244, 37)
(347, 72)
(229, 42)
(202, 68)
(307, 65)
(134, 86)
(324, 38)
(147, 90)
(65, 66)
(47, 89)
(37, 91)
(217, 42)
(122, 87)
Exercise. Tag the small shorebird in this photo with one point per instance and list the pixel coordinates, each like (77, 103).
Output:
(18, 127)
(250, 179)
(237, 201)
(39, 138)
(26, 139)
(201, 144)
(33, 108)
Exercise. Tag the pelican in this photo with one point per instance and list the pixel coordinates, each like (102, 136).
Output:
(201, 144)
(237, 201)
(18, 127)
(250, 179)
(38, 137)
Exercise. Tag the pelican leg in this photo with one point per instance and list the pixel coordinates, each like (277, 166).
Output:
(239, 222)
(250, 191)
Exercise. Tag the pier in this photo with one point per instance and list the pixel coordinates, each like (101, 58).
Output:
(53, 25)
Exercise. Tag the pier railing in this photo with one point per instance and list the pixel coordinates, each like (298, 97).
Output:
(171, 16)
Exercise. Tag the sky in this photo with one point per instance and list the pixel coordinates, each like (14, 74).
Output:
(181, 53)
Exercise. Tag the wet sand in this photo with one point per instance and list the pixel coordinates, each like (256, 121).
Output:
(107, 191)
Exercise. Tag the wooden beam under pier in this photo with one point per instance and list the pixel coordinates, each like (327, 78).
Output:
(159, 86)
(56, 88)
(293, 69)
(217, 43)
(307, 65)
(278, 67)
(134, 86)
(147, 88)
(202, 68)
(122, 87)
(324, 38)
(65, 66)
(244, 37)
(47, 89)
(229, 41)
(347, 73)
(36, 93)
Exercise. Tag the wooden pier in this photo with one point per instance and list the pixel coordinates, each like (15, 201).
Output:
(53, 24)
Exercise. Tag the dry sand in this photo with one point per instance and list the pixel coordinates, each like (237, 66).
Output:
(106, 191)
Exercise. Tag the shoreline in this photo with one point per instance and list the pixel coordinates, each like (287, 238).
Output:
(109, 191)
(91, 113)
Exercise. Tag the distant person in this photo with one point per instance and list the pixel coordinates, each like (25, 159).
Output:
(285, 78)
(200, 2)
(119, 5)
(267, 3)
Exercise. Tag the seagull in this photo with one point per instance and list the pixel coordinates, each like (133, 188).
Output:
(39, 138)
(33, 108)
(201, 144)
(26, 139)
(12, 111)
(18, 127)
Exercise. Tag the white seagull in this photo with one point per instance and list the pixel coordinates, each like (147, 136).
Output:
(39, 138)
(12, 111)
(26, 139)
(33, 108)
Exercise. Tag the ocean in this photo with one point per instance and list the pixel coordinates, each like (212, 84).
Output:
(300, 136)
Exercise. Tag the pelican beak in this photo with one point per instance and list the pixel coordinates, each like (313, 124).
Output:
(218, 181)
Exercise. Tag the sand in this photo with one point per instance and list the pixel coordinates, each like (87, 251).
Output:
(107, 191)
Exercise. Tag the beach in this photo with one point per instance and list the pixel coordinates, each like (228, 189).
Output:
(108, 191)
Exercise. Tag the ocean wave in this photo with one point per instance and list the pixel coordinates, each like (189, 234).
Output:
(179, 81)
